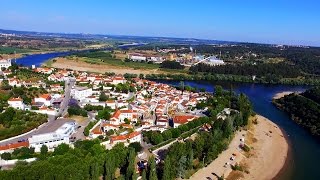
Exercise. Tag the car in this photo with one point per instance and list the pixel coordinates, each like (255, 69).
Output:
(232, 158)
(79, 127)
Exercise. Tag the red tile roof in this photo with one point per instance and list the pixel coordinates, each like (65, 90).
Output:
(15, 99)
(14, 145)
(183, 119)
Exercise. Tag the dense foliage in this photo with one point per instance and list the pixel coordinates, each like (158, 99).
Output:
(88, 160)
(14, 122)
(260, 70)
(303, 110)
(313, 94)
(74, 110)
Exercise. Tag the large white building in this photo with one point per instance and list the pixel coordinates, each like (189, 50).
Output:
(53, 139)
(5, 63)
(214, 61)
(80, 93)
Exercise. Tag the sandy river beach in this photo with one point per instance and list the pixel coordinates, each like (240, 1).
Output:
(269, 149)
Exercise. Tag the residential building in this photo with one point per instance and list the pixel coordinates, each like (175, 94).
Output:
(44, 99)
(5, 63)
(182, 119)
(80, 93)
(16, 103)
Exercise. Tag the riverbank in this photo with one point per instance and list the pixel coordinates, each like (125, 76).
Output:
(265, 159)
(79, 65)
(282, 94)
(269, 151)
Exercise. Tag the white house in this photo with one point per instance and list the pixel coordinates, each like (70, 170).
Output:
(5, 63)
(80, 93)
(183, 119)
(119, 116)
(127, 138)
(112, 104)
(53, 139)
(118, 79)
(14, 82)
(45, 99)
(16, 103)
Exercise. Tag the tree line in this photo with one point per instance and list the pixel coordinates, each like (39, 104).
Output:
(304, 109)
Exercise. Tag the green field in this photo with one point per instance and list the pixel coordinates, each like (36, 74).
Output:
(11, 50)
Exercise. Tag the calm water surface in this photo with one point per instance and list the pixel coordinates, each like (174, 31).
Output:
(305, 149)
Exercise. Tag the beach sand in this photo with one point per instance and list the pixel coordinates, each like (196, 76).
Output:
(264, 161)
(282, 94)
(269, 151)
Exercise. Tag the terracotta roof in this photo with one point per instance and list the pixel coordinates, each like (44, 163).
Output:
(96, 130)
(182, 119)
(128, 111)
(116, 114)
(15, 99)
(14, 145)
(45, 96)
(124, 137)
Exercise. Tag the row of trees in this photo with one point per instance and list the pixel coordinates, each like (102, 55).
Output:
(88, 160)
(282, 70)
(303, 110)
(267, 79)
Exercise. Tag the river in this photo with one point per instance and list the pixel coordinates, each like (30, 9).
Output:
(304, 148)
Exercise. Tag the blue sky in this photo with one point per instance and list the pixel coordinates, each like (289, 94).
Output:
(267, 21)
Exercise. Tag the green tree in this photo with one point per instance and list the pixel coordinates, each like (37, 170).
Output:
(6, 156)
(110, 165)
(103, 97)
(131, 165)
(152, 169)
(218, 90)
(136, 146)
(167, 175)
(44, 150)
(61, 149)
(190, 159)
(144, 174)
(181, 166)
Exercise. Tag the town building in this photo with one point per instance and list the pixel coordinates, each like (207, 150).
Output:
(119, 116)
(182, 119)
(80, 93)
(53, 139)
(5, 63)
(16, 103)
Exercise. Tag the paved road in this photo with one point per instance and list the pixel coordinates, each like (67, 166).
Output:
(67, 95)
(52, 122)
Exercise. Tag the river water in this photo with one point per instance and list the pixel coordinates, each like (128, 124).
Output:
(304, 149)
(302, 163)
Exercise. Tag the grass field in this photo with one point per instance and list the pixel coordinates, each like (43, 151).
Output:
(11, 50)
(117, 62)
